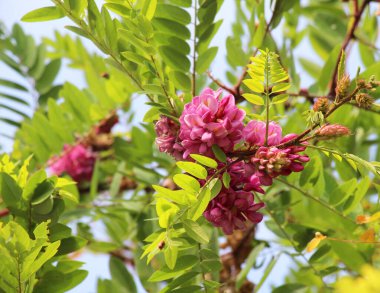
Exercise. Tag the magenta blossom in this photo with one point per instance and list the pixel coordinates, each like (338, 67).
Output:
(243, 177)
(231, 209)
(254, 133)
(272, 161)
(77, 161)
(208, 120)
(167, 135)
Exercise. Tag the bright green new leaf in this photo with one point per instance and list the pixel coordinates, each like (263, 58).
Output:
(206, 161)
(43, 14)
(195, 231)
(193, 169)
(254, 99)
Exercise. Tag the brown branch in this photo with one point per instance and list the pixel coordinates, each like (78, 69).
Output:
(220, 84)
(358, 12)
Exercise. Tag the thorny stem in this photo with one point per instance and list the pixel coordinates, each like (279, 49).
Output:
(279, 225)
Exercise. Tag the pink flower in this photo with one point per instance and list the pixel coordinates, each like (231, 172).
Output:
(231, 209)
(243, 177)
(272, 161)
(254, 133)
(208, 120)
(77, 161)
(167, 135)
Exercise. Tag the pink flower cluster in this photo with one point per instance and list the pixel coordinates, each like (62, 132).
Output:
(211, 120)
(77, 161)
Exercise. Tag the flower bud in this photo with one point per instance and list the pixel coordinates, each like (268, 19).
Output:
(342, 86)
(322, 104)
(364, 100)
(329, 131)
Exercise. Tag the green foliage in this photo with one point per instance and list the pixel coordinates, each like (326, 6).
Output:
(36, 75)
(23, 256)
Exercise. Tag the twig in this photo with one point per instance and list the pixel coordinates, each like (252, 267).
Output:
(326, 205)
(280, 226)
(358, 11)
(220, 84)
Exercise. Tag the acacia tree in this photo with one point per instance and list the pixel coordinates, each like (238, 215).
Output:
(182, 194)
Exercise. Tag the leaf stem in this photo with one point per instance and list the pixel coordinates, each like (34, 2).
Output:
(287, 236)
(317, 200)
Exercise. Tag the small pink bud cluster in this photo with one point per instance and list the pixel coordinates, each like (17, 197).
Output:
(167, 136)
(272, 161)
(329, 131)
(77, 161)
(211, 120)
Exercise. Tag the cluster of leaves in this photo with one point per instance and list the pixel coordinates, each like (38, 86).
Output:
(34, 244)
(183, 231)
(36, 75)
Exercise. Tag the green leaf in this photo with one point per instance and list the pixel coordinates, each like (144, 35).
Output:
(203, 201)
(181, 80)
(206, 161)
(13, 85)
(149, 8)
(195, 231)
(9, 190)
(171, 254)
(78, 7)
(193, 169)
(280, 87)
(226, 179)
(254, 99)
(219, 154)
(77, 30)
(205, 59)
(267, 272)
(184, 263)
(47, 78)
(173, 13)
(342, 192)
(174, 59)
(341, 65)
(68, 195)
(181, 197)
(43, 191)
(290, 288)
(121, 275)
(280, 99)
(254, 85)
(215, 186)
(348, 254)
(187, 182)
(43, 14)
(248, 265)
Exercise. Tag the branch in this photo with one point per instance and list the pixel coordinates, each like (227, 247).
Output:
(358, 12)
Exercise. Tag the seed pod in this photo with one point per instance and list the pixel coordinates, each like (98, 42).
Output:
(322, 104)
(364, 100)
